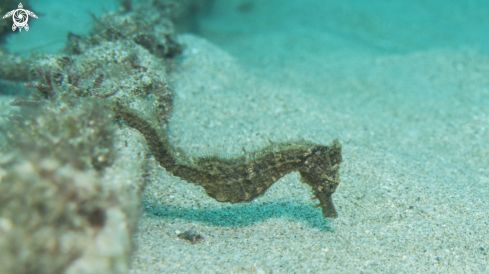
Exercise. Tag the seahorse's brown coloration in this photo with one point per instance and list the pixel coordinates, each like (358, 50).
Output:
(247, 177)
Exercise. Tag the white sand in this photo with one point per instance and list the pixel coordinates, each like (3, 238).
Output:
(414, 181)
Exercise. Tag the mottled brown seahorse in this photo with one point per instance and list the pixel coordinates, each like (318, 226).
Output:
(147, 108)
(245, 178)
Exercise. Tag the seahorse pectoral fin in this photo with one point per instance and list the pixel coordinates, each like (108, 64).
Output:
(26, 27)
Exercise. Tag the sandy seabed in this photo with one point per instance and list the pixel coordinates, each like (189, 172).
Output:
(413, 186)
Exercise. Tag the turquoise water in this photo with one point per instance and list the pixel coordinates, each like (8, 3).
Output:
(382, 27)
(306, 34)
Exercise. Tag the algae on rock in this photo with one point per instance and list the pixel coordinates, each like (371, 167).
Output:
(70, 178)
(57, 206)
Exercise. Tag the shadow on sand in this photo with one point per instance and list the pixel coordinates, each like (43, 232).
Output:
(245, 214)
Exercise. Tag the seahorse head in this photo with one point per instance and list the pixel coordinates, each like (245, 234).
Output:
(321, 172)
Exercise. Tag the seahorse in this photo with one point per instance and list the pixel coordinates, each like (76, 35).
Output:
(147, 108)
(244, 178)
